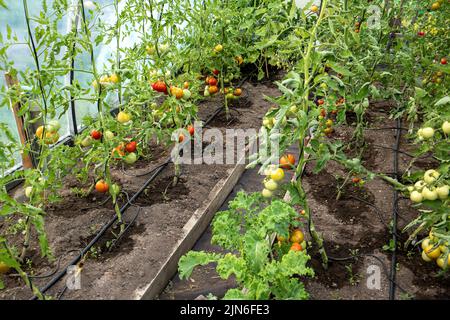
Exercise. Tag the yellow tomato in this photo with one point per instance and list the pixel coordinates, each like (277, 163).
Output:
(441, 262)
(432, 253)
(277, 175)
(297, 236)
(4, 268)
(123, 117)
(114, 78)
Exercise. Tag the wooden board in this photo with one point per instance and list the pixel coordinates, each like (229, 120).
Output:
(12, 82)
(192, 231)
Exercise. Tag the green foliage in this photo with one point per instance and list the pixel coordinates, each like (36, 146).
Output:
(245, 230)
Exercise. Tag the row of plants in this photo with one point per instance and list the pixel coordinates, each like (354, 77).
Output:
(344, 56)
(185, 53)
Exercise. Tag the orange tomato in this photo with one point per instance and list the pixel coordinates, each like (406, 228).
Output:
(101, 186)
(118, 151)
(177, 92)
(287, 161)
(213, 89)
(296, 247)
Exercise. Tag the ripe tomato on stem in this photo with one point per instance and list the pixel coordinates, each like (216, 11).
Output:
(160, 86)
(96, 135)
(191, 130)
(296, 247)
(212, 81)
(102, 186)
(287, 161)
(131, 146)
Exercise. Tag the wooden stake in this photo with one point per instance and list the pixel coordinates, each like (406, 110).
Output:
(11, 82)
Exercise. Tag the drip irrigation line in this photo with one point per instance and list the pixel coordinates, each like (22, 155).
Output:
(385, 269)
(102, 231)
(393, 149)
(392, 286)
(107, 226)
(387, 128)
(114, 243)
(52, 273)
(141, 174)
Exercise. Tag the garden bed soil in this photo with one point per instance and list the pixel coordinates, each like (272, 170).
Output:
(358, 224)
(160, 214)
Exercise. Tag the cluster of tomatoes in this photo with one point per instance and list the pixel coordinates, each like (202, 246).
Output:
(211, 82)
(435, 250)
(427, 133)
(106, 80)
(275, 174)
(327, 119)
(429, 188)
(48, 134)
(126, 151)
(189, 129)
(175, 91)
(296, 240)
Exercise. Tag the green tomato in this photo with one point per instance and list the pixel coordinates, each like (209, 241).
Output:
(429, 194)
(130, 158)
(431, 176)
(427, 133)
(186, 94)
(416, 197)
(446, 127)
(54, 125)
(443, 192)
(28, 191)
(271, 185)
(108, 135)
(267, 193)
(87, 142)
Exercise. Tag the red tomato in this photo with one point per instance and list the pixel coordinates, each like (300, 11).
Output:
(320, 102)
(96, 135)
(191, 130)
(443, 61)
(216, 72)
(131, 146)
(356, 180)
(160, 86)
(212, 81)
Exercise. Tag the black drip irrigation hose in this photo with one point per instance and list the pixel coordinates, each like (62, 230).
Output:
(108, 225)
(394, 214)
(385, 269)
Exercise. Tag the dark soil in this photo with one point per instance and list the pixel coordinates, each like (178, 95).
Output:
(355, 228)
(159, 216)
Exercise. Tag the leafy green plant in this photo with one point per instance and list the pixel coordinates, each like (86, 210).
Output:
(245, 230)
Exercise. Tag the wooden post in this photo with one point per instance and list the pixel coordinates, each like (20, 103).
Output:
(11, 82)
